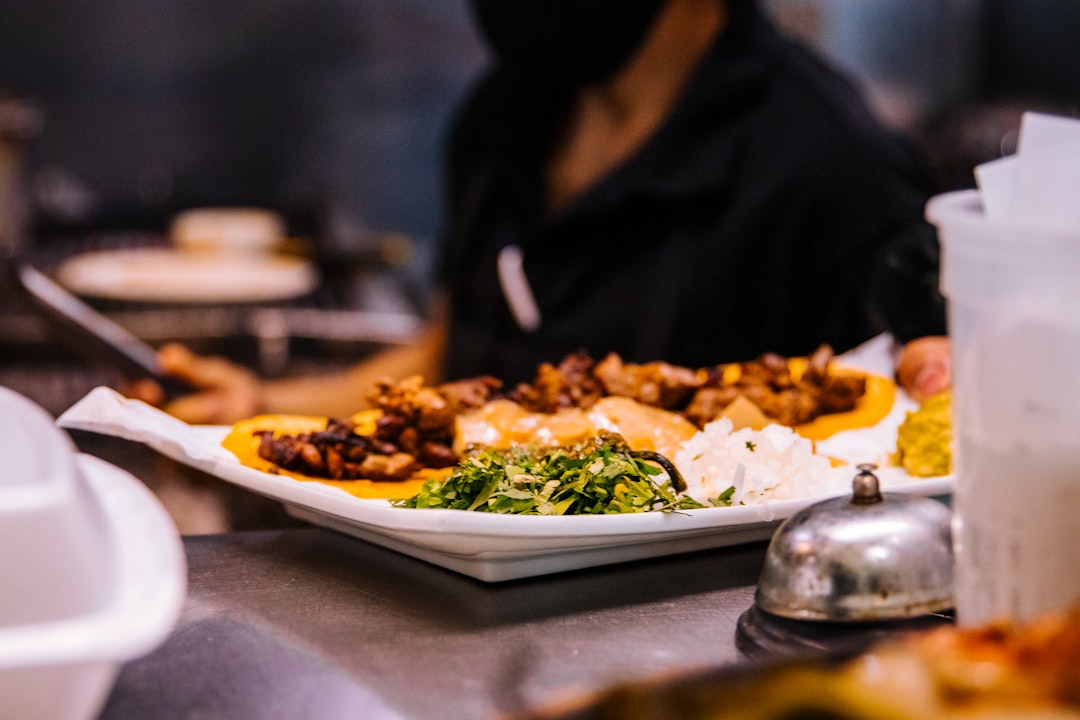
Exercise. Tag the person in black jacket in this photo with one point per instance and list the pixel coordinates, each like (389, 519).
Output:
(666, 179)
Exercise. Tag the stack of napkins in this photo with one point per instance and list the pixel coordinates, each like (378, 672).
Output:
(1039, 186)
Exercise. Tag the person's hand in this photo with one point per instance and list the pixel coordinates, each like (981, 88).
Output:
(227, 392)
(924, 367)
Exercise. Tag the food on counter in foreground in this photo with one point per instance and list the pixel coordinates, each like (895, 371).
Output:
(995, 672)
(598, 477)
(751, 467)
(924, 439)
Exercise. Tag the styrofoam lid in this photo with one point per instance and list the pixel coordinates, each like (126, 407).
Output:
(53, 561)
(37, 459)
(88, 583)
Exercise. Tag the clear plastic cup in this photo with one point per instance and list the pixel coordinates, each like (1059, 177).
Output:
(1014, 324)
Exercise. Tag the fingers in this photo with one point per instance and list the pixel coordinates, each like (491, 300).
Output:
(924, 367)
(203, 408)
(146, 390)
(217, 406)
(174, 358)
(197, 370)
(227, 392)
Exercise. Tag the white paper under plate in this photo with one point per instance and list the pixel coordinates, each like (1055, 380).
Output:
(485, 546)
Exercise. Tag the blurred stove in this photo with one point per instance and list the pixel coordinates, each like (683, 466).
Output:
(360, 305)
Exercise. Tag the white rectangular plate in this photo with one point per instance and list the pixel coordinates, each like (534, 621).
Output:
(485, 546)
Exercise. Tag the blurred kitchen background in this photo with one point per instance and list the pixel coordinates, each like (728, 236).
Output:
(333, 112)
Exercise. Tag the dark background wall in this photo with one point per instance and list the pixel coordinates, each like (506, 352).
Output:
(956, 74)
(1033, 50)
(155, 105)
(152, 106)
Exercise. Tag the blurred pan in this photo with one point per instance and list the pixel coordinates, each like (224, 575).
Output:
(87, 331)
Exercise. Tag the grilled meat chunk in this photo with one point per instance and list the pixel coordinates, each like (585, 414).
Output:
(657, 383)
(568, 385)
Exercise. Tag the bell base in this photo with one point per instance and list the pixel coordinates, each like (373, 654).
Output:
(760, 634)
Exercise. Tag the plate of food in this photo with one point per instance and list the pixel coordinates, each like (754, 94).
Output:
(595, 462)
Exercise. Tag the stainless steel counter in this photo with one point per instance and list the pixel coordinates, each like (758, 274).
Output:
(304, 623)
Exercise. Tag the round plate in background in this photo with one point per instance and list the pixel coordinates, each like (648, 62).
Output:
(175, 276)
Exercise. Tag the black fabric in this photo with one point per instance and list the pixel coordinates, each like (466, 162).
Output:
(564, 42)
(771, 212)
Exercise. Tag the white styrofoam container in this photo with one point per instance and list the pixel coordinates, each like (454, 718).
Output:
(92, 570)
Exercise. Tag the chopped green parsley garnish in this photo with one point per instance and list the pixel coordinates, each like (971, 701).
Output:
(600, 477)
(724, 498)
